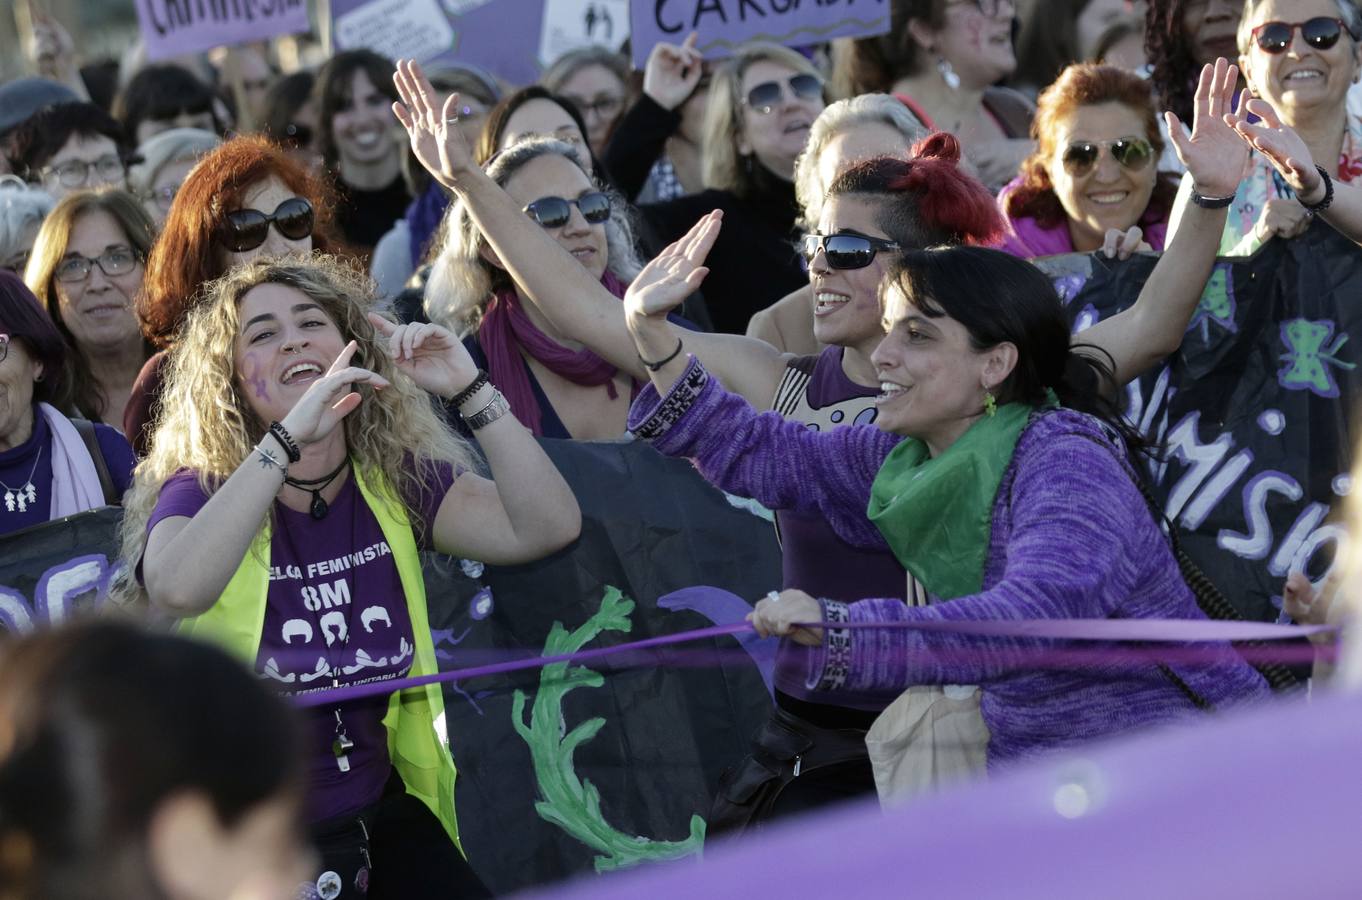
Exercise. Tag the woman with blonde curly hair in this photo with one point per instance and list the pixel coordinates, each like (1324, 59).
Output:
(295, 471)
(556, 387)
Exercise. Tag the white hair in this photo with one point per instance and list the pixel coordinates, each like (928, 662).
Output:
(838, 118)
(160, 150)
(21, 208)
(461, 282)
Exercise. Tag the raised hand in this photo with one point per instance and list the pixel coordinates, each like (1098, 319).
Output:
(330, 398)
(430, 354)
(1213, 153)
(672, 276)
(672, 72)
(433, 131)
(1281, 146)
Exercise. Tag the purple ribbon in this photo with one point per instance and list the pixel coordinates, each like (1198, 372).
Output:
(1181, 631)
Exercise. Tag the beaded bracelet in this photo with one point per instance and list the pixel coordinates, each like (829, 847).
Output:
(286, 441)
(1324, 204)
(462, 396)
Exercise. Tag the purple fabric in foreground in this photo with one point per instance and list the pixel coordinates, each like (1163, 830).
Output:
(1263, 803)
(726, 608)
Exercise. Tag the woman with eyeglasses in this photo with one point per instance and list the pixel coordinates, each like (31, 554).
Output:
(596, 81)
(1093, 172)
(867, 218)
(50, 465)
(762, 102)
(556, 387)
(943, 59)
(69, 147)
(87, 271)
(1301, 57)
(246, 199)
(162, 162)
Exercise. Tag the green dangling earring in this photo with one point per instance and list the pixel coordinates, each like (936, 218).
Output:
(990, 403)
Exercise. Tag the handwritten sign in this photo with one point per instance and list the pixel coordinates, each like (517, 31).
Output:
(724, 24)
(176, 27)
(415, 29)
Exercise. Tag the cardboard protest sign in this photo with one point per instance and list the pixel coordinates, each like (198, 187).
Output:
(416, 29)
(651, 738)
(724, 24)
(176, 27)
(1255, 408)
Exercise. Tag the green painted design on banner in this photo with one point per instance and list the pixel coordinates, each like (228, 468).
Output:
(569, 802)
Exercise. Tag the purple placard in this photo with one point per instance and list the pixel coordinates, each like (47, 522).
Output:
(723, 24)
(504, 37)
(175, 27)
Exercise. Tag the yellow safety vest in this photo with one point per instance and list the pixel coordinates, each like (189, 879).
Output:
(236, 620)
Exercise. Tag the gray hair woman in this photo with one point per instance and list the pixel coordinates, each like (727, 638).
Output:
(596, 80)
(163, 162)
(22, 210)
(552, 383)
(1318, 40)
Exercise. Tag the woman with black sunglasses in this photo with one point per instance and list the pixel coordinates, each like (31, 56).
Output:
(883, 208)
(1301, 56)
(761, 104)
(556, 388)
(1093, 171)
(247, 198)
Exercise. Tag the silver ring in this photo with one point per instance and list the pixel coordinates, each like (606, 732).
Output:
(773, 596)
(452, 120)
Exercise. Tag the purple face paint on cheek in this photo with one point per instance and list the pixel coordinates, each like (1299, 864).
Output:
(252, 374)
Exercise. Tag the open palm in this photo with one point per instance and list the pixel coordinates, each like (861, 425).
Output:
(431, 128)
(674, 274)
(1213, 153)
(1280, 145)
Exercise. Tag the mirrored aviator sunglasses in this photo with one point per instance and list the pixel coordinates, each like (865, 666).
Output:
(1321, 33)
(766, 96)
(554, 212)
(246, 229)
(845, 251)
(1130, 153)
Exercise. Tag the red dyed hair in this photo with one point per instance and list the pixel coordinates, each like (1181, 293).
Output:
(1084, 84)
(931, 202)
(185, 256)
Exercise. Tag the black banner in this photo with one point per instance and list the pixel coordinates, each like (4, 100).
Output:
(1255, 409)
(560, 772)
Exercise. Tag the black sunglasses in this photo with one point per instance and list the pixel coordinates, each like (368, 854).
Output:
(1130, 153)
(246, 229)
(1320, 32)
(765, 96)
(554, 212)
(845, 251)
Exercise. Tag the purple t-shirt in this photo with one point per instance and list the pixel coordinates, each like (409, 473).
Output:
(816, 560)
(335, 614)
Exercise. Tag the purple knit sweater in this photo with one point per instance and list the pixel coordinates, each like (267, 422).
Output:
(1071, 538)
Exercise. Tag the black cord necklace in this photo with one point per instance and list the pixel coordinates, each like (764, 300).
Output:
(318, 508)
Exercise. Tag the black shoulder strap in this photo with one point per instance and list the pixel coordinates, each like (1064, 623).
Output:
(86, 429)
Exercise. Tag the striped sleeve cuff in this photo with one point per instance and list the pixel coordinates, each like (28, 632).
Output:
(651, 424)
(830, 665)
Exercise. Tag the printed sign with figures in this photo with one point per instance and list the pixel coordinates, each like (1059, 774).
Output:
(570, 24)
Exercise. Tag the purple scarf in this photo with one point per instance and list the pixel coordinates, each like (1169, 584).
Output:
(506, 329)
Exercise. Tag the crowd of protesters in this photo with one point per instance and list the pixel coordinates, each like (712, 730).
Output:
(290, 316)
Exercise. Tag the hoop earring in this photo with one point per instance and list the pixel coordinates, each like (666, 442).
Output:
(990, 403)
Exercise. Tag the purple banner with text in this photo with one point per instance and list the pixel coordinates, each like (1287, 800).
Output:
(724, 24)
(176, 27)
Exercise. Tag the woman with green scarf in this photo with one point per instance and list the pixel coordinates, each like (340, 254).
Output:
(998, 472)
